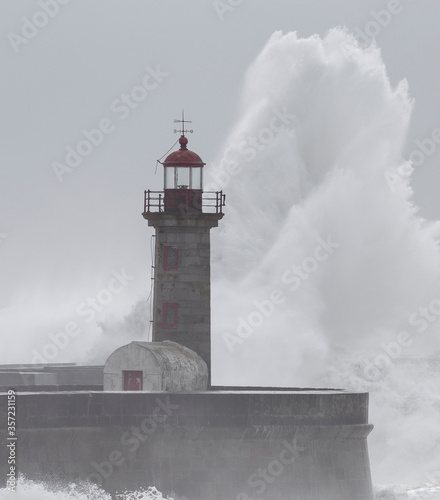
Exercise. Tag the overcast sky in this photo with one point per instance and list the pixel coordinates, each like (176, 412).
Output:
(64, 233)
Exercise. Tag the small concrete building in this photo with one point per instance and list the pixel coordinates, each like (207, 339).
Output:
(155, 366)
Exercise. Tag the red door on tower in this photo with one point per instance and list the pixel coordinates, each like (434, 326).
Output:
(133, 381)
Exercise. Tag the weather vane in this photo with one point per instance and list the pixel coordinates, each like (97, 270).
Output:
(182, 130)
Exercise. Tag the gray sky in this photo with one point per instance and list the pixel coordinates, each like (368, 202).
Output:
(61, 241)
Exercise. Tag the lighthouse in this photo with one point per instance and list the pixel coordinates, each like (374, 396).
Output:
(182, 215)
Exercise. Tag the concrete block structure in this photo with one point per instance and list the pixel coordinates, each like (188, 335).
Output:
(155, 366)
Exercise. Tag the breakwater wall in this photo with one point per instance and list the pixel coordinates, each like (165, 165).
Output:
(216, 445)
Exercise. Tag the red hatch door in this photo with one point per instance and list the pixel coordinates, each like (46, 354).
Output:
(133, 381)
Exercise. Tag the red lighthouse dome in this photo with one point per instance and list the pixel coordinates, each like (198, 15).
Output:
(183, 156)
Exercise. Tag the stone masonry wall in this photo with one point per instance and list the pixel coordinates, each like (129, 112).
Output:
(187, 286)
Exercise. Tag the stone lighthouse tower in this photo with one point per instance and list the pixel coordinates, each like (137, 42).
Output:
(183, 215)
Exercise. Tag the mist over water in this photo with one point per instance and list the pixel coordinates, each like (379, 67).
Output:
(319, 263)
(321, 177)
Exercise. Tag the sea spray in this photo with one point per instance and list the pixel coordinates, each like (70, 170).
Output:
(285, 314)
(28, 489)
(405, 410)
(399, 492)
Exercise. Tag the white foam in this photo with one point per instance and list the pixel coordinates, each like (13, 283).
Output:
(27, 489)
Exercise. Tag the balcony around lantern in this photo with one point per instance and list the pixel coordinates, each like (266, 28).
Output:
(184, 201)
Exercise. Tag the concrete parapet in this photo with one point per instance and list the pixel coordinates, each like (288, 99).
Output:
(304, 445)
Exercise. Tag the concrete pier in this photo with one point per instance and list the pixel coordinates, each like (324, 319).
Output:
(216, 445)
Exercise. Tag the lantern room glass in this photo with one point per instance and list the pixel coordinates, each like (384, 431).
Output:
(196, 177)
(169, 178)
(180, 177)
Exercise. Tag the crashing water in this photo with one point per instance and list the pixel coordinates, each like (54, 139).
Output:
(322, 177)
(316, 177)
(31, 490)
(399, 492)
(40, 491)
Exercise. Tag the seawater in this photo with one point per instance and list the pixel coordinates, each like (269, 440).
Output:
(31, 490)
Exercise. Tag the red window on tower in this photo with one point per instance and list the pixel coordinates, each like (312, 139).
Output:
(133, 380)
(169, 315)
(170, 258)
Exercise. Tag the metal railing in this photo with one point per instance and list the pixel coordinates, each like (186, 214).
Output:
(153, 201)
(212, 201)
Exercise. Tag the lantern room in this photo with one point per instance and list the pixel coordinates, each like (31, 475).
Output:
(183, 168)
(183, 177)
